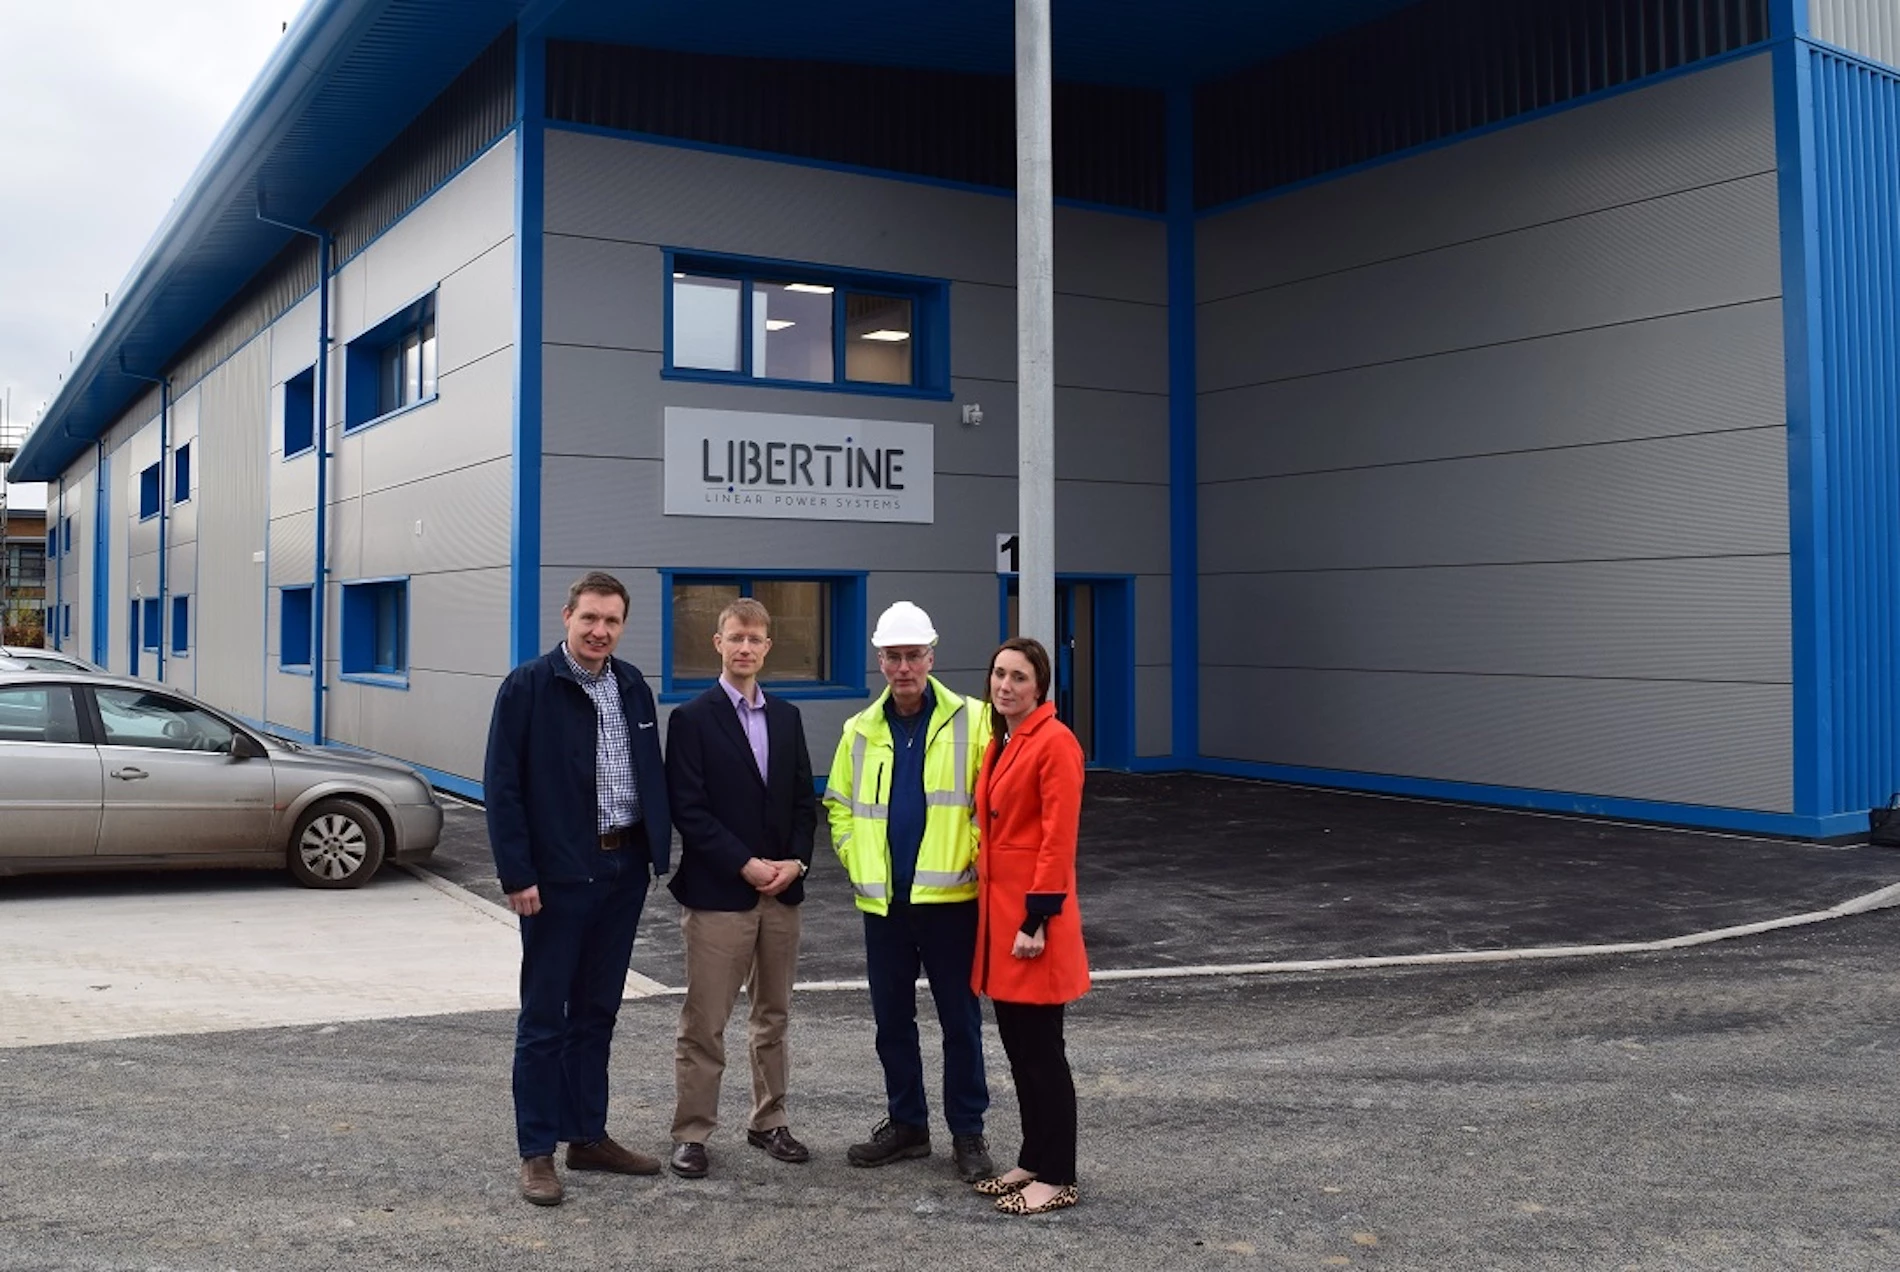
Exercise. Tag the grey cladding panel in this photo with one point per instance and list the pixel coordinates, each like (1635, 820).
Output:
(1713, 370)
(1718, 495)
(1700, 619)
(1870, 28)
(1710, 247)
(1154, 703)
(1694, 130)
(456, 520)
(601, 293)
(441, 722)
(1717, 744)
(1103, 344)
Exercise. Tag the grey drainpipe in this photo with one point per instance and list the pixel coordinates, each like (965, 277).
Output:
(319, 588)
(59, 568)
(164, 464)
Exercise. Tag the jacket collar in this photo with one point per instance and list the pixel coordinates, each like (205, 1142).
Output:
(1037, 718)
(871, 719)
(557, 663)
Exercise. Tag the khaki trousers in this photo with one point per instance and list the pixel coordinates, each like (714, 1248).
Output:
(757, 949)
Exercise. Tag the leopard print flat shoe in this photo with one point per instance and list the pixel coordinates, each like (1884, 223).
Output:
(997, 1186)
(1014, 1203)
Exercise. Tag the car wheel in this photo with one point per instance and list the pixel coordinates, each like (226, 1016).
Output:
(338, 844)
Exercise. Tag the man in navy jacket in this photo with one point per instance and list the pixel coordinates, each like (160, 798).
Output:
(739, 777)
(577, 817)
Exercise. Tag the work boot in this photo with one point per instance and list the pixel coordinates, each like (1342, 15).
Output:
(972, 1154)
(539, 1183)
(604, 1154)
(890, 1142)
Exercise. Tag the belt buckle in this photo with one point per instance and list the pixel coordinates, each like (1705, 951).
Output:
(612, 840)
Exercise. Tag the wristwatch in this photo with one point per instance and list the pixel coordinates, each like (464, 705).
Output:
(804, 868)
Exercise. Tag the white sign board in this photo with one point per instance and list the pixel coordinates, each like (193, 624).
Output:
(799, 467)
(1007, 550)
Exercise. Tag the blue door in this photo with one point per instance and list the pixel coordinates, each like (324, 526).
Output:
(1094, 672)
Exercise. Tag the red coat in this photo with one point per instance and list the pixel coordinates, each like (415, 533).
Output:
(1028, 805)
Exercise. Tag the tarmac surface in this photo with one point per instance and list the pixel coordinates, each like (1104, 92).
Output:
(1735, 1105)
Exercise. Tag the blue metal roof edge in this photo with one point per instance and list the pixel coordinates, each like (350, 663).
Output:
(323, 29)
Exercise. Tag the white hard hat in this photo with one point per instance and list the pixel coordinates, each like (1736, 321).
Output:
(903, 624)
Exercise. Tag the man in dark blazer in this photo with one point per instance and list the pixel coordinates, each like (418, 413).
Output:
(739, 780)
(576, 798)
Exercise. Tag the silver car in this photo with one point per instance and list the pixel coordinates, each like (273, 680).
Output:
(14, 657)
(103, 772)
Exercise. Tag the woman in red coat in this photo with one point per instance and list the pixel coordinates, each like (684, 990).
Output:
(1029, 956)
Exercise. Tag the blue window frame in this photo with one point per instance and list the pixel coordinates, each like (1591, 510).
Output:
(181, 625)
(151, 629)
(52, 545)
(294, 610)
(738, 320)
(148, 493)
(375, 630)
(817, 630)
(66, 534)
(391, 367)
(300, 412)
(181, 474)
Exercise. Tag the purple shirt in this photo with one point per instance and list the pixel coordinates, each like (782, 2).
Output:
(751, 721)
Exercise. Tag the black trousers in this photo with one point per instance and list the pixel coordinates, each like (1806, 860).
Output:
(1045, 1090)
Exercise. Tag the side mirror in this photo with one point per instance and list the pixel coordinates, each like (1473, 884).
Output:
(246, 747)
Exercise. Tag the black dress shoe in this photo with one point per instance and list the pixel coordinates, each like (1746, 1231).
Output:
(779, 1144)
(891, 1142)
(689, 1161)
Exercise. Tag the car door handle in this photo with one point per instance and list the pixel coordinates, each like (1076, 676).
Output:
(130, 774)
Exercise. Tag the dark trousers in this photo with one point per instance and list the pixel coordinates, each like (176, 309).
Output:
(941, 941)
(1045, 1091)
(574, 957)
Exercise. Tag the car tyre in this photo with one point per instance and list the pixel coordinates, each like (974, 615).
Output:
(338, 843)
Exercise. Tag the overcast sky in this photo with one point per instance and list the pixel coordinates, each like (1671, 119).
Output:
(106, 107)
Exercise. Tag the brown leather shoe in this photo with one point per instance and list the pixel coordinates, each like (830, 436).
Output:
(604, 1154)
(539, 1183)
(779, 1144)
(689, 1161)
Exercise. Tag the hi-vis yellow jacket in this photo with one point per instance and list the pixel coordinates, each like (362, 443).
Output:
(858, 801)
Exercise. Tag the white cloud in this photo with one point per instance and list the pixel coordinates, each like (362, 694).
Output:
(107, 109)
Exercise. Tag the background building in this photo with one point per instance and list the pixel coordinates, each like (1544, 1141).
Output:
(1468, 398)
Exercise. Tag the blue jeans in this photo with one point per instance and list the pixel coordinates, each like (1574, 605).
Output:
(574, 957)
(941, 941)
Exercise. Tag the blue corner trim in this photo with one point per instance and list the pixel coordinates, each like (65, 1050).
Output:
(530, 201)
(1183, 441)
(1740, 820)
(1808, 513)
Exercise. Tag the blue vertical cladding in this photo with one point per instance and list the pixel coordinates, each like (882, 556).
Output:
(1183, 422)
(530, 200)
(1854, 110)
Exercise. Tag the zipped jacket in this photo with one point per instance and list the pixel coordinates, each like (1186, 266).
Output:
(858, 802)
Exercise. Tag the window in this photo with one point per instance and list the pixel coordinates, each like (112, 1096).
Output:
(137, 717)
(181, 474)
(66, 621)
(181, 624)
(38, 713)
(768, 322)
(294, 638)
(300, 412)
(52, 544)
(66, 533)
(148, 493)
(817, 630)
(392, 366)
(152, 617)
(375, 629)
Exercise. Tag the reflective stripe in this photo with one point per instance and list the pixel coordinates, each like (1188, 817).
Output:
(833, 795)
(960, 740)
(945, 878)
(857, 760)
(870, 891)
(874, 812)
(946, 799)
(842, 841)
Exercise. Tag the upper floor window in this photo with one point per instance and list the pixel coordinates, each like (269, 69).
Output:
(66, 535)
(392, 366)
(52, 544)
(148, 492)
(807, 326)
(300, 412)
(181, 474)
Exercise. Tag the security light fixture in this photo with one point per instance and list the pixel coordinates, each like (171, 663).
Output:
(816, 289)
(778, 324)
(886, 334)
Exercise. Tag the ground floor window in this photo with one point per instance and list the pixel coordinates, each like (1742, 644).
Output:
(376, 629)
(293, 642)
(818, 631)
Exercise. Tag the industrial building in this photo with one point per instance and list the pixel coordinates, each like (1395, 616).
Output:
(1493, 400)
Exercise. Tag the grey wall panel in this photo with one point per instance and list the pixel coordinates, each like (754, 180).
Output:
(454, 520)
(344, 540)
(232, 471)
(287, 698)
(601, 293)
(293, 348)
(670, 196)
(1700, 372)
(1154, 705)
(293, 482)
(1696, 250)
(472, 421)
(1692, 131)
(293, 548)
(1870, 28)
(1154, 620)
(441, 722)
(475, 308)
(1104, 344)
(1712, 744)
(451, 624)
(1721, 494)
(1714, 619)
